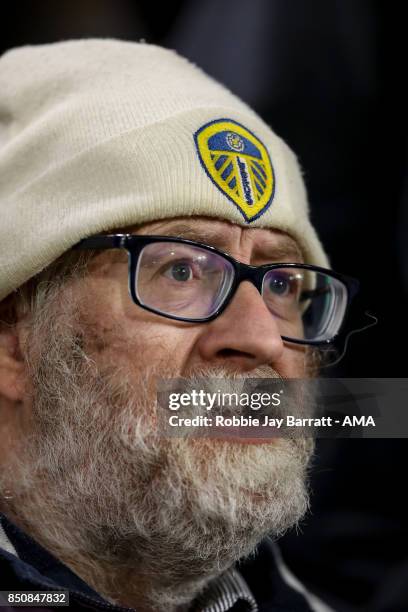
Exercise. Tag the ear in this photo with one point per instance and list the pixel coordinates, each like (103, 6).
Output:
(11, 365)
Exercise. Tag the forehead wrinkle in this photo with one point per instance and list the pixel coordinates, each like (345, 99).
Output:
(285, 248)
(206, 234)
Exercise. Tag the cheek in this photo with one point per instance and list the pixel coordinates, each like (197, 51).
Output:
(293, 362)
(151, 343)
(119, 333)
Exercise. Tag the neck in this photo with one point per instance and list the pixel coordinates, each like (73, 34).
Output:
(132, 587)
(147, 585)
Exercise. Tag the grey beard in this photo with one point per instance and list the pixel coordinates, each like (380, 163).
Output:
(101, 490)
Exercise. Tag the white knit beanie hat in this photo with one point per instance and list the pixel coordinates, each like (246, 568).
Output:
(99, 134)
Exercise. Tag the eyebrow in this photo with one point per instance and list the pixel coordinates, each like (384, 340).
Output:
(286, 247)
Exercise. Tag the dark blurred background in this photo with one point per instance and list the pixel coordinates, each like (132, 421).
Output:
(330, 78)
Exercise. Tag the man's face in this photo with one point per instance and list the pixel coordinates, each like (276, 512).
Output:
(93, 475)
(244, 337)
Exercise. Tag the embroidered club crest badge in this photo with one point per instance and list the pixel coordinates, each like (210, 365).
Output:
(238, 163)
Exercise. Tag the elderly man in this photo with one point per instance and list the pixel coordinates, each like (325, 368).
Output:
(152, 226)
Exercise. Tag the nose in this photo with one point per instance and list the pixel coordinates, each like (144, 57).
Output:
(244, 336)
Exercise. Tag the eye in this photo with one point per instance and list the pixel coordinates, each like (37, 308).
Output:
(180, 271)
(280, 284)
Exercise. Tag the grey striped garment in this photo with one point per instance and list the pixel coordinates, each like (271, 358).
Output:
(224, 592)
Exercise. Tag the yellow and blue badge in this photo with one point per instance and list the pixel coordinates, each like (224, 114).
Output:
(238, 163)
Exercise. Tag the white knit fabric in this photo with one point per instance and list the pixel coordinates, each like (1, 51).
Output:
(99, 133)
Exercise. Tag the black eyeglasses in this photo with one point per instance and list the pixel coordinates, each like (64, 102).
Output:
(188, 281)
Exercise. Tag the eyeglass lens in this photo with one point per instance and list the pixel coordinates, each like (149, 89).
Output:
(190, 282)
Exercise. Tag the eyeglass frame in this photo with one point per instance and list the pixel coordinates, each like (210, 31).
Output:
(134, 244)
